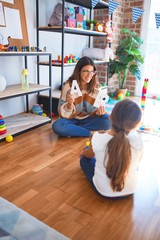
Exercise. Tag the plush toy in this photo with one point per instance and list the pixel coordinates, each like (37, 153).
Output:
(109, 30)
(98, 53)
(56, 17)
(37, 108)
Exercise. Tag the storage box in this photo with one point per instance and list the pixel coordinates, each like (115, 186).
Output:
(79, 17)
(71, 23)
(79, 10)
(79, 24)
(72, 13)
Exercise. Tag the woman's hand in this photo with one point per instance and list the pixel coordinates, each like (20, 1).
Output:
(70, 100)
(100, 111)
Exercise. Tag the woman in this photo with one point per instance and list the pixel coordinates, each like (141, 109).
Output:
(111, 162)
(78, 115)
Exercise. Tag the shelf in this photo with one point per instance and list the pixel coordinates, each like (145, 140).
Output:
(22, 122)
(69, 30)
(9, 54)
(56, 64)
(16, 90)
(88, 3)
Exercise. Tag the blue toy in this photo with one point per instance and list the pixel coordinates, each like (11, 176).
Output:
(38, 109)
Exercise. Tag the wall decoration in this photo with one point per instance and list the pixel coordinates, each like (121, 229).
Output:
(94, 3)
(157, 17)
(137, 12)
(112, 6)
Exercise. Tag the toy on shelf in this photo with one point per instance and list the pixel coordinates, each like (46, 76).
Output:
(67, 59)
(3, 129)
(144, 93)
(99, 26)
(56, 17)
(37, 108)
(109, 30)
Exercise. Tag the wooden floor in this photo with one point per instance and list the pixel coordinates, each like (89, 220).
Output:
(40, 173)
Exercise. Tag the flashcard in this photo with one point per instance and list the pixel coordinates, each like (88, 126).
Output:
(102, 97)
(75, 88)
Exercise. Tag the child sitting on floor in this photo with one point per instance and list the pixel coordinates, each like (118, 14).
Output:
(111, 161)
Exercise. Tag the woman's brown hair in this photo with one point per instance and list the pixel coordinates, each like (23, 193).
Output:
(84, 61)
(124, 117)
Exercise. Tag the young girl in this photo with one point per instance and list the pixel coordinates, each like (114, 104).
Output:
(111, 161)
(78, 116)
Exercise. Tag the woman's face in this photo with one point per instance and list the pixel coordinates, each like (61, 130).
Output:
(86, 74)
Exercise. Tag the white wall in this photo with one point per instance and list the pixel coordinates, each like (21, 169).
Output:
(11, 67)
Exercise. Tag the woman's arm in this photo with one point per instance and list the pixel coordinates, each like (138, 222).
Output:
(66, 103)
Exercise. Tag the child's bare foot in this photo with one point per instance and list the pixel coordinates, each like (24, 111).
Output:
(92, 133)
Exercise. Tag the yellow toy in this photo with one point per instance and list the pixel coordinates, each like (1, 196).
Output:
(9, 138)
(87, 144)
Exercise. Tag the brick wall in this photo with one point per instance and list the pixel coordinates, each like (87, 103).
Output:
(122, 17)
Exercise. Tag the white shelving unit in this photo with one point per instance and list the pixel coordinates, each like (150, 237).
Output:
(26, 121)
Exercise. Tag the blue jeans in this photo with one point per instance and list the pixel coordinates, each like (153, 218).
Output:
(80, 128)
(87, 166)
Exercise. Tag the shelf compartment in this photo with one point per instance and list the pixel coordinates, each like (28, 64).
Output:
(69, 30)
(19, 53)
(43, 98)
(16, 90)
(23, 122)
(56, 64)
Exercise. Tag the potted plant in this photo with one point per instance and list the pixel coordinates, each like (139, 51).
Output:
(128, 58)
(91, 24)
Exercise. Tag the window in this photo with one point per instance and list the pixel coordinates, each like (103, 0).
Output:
(151, 49)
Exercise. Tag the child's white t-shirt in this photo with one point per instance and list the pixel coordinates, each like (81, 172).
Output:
(100, 179)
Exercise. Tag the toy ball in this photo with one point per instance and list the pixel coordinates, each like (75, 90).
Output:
(9, 138)
(128, 94)
(112, 94)
(158, 98)
(52, 114)
(120, 96)
(44, 114)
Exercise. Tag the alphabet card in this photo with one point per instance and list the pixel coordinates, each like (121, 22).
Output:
(75, 88)
(102, 97)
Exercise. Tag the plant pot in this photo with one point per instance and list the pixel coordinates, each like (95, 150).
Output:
(2, 83)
